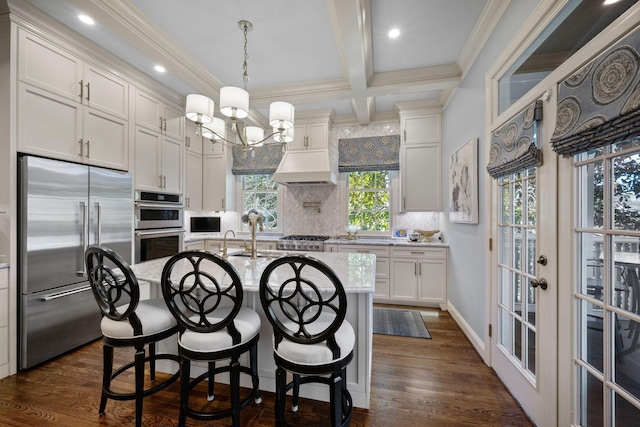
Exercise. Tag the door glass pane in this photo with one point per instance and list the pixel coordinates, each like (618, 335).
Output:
(591, 397)
(505, 245)
(592, 332)
(530, 246)
(517, 338)
(517, 202)
(626, 413)
(505, 294)
(626, 191)
(531, 351)
(590, 183)
(531, 201)
(531, 303)
(505, 330)
(517, 249)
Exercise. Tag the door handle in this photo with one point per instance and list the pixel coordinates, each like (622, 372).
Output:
(542, 282)
(98, 207)
(83, 237)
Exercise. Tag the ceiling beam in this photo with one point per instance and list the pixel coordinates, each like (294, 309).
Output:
(351, 23)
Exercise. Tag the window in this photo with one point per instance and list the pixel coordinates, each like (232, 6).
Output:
(369, 194)
(261, 192)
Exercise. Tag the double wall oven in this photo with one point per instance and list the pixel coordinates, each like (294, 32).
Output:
(159, 225)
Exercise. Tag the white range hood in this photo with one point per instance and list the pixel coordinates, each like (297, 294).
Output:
(305, 167)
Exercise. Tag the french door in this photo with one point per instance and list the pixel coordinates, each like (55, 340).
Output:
(605, 299)
(524, 284)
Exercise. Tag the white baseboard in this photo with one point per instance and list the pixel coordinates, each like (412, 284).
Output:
(476, 341)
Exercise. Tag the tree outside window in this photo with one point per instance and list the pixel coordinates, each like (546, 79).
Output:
(260, 192)
(369, 195)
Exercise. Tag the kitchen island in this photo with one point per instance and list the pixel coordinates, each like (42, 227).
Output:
(357, 274)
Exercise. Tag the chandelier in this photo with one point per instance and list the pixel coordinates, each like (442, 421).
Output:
(234, 104)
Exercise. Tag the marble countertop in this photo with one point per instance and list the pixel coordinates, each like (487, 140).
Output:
(357, 272)
(4, 265)
(383, 241)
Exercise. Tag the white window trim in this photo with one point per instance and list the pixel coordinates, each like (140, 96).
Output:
(241, 209)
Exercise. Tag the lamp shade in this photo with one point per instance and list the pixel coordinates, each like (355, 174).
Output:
(199, 108)
(284, 136)
(281, 115)
(217, 129)
(234, 102)
(254, 135)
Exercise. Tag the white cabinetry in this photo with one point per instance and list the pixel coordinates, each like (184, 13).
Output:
(310, 135)
(421, 162)
(197, 245)
(158, 145)
(218, 183)
(216, 245)
(70, 109)
(419, 276)
(193, 172)
(4, 322)
(382, 266)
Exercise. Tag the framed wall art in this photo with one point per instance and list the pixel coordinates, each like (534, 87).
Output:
(463, 183)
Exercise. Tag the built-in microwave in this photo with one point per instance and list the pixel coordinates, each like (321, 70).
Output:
(205, 224)
(158, 211)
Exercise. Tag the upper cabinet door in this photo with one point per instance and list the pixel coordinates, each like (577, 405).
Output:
(422, 128)
(105, 92)
(148, 111)
(173, 122)
(48, 67)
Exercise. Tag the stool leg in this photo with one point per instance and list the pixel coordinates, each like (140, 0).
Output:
(211, 381)
(255, 379)
(281, 395)
(107, 369)
(139, 373)
(185, 368)
(335, 399)
(152, 361)
(296, 392)
(235, 391)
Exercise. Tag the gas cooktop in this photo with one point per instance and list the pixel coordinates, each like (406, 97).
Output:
(302, 243)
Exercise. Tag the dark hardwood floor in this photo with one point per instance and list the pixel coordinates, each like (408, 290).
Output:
(415, 382)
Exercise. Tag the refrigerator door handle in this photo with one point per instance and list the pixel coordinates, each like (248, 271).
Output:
(83, 237)
(65, 294)
(98, 222)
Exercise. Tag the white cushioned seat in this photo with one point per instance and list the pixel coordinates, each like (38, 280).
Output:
(247, 322)
(154, 317)
(318, 354)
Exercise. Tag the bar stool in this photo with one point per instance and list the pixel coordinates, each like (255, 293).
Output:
(306, 304)
(127, 322)
(204, 293)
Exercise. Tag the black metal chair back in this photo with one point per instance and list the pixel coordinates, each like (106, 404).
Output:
(304, 300)
(114, 285)
(197, 286)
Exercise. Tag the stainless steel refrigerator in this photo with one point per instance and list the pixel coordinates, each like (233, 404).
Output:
(65, 207)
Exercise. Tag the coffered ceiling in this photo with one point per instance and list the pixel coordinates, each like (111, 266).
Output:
(316, 54)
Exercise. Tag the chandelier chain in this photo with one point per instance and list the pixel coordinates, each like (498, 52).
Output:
(245, 74)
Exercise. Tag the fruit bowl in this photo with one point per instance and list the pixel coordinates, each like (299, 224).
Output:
(426, 235)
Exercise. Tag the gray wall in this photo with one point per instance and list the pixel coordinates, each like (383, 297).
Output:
(464, 118)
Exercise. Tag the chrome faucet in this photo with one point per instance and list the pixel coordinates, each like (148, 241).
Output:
(224, 243)
(253, 220)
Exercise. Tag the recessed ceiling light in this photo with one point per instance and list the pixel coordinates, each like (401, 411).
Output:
(160, 68)
(394, 33)
(606, 2)
(86, 19)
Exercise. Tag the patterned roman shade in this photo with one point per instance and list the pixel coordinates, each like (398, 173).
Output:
(258, 160)
(513, 145)
(369, 154)
(598, 104)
